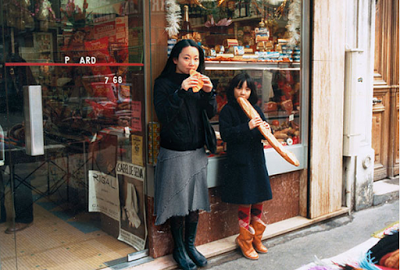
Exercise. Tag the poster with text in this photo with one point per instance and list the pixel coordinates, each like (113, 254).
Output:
(103, 194)
(137, 116)
(133, 228)
(137, 150)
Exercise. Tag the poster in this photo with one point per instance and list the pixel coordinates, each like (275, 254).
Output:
(136, 116)
(103, 194)
(132, 205)
(137, 150)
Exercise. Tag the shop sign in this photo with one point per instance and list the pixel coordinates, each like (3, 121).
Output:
(130, 170)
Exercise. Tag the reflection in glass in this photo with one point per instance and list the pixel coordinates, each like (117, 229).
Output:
(87, 56)
(278, 95)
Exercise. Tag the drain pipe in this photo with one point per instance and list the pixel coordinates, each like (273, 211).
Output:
(349, 164)
(351, 134)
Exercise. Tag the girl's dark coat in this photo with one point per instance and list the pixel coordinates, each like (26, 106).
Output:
(246, 179)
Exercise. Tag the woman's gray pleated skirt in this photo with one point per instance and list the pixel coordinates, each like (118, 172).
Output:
(180, 183)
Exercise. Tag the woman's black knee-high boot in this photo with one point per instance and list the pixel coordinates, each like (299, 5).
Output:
(190, 237)
(179, 253)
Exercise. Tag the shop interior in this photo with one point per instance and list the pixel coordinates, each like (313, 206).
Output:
(261, 37)
(87, 58)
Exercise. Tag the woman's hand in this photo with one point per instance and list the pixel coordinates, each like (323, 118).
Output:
(208, 86)
(189, 83)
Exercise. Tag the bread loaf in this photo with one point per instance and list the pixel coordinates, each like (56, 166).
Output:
(251, 113)
(197, 75)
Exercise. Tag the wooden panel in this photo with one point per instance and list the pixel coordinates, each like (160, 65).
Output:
(387, 40)
(386, 64)
(327, 117)
(378, 39)
(395, 46)
(380, 131)
(397, 139)
(327, 107)
(303, 200)
(377, 126)
(393, 166)
(328, 34)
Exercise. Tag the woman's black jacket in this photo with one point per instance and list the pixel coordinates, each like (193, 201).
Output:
(180, 112)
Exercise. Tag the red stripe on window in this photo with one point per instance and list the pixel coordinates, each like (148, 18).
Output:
(19, 64)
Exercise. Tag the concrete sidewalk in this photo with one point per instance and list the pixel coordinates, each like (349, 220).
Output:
(323, 240)
(298, 241)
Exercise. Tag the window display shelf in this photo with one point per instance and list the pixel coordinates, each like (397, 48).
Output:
(278, 87)
(281, 115)
(243, 19)
(242, 65)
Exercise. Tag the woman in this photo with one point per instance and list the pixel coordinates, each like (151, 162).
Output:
(181, 172)
(246, 182)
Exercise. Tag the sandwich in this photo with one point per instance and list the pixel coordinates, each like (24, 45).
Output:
(197, 75)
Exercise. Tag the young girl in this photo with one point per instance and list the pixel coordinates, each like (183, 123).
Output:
(246, 182)
(181, 172)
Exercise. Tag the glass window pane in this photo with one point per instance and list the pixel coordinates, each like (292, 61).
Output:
(260, 37)
(87, 56)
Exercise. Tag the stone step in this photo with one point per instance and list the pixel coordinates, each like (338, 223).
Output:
(386, 190)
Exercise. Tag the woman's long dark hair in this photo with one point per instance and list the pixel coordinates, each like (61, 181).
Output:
(238, 81)
(170, 66)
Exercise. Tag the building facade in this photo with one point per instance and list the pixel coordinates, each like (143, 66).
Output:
(80, 137)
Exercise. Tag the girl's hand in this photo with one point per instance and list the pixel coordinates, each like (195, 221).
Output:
(255, 122)
(208, 86)
(266, 125)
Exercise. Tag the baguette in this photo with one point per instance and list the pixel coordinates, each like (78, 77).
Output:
(251, 113)
(197, 75)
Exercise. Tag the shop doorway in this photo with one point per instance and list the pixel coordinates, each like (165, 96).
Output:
(72, 126)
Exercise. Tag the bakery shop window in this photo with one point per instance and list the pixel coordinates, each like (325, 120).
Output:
(262, 38)
(278, 96)
(265, 31)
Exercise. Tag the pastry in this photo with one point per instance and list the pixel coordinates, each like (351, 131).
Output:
(251, 113)
(197, 75)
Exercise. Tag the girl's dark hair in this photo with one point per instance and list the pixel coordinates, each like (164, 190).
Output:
(170, 66)
(238, 81)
